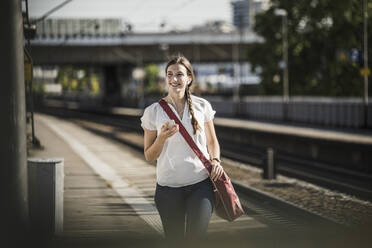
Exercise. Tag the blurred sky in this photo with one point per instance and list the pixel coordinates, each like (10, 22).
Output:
(144, 15)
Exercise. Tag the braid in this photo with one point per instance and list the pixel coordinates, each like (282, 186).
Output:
(194, 121)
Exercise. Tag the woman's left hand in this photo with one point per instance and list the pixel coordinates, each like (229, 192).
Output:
(217, 170)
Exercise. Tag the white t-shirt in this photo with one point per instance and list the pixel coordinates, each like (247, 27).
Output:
(177, 164)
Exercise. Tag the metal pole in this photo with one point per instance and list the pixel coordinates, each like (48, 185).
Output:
(285, 59)
(270, 163)
(236, 72)
(365, 57)
(285, 67)
(31, 98)
(141, 103)
(269, 171)
(196, 54)
(237, 68)
(13, 165)
(284, 62)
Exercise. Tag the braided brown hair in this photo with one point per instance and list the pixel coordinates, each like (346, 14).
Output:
(182, 60)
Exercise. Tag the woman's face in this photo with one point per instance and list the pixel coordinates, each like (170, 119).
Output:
(177, 78)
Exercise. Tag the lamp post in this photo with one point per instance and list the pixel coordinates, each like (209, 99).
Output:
(365, 58)
(236, 63)
(284, 65)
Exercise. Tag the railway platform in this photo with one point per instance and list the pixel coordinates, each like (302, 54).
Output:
(108, 197)
(109, 189)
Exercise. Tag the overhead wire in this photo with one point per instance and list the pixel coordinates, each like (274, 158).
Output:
(51, 11)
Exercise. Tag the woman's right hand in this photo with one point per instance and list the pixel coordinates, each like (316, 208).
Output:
(166, 132)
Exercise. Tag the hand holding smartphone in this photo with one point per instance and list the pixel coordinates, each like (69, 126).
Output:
(170, 124)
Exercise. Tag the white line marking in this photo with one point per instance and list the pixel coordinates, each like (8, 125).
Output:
(111, 177)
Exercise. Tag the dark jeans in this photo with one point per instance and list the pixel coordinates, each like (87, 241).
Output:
(191, 205)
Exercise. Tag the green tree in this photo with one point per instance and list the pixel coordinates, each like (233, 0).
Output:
(152, 73)
(65, 74)
(317, 31)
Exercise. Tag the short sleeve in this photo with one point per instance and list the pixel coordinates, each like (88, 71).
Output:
(208, 112)
(148, 118)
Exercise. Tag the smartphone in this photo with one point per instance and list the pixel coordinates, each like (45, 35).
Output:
(170, 124)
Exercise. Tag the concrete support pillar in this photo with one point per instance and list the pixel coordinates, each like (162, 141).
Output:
(125, 78)
(13, 169)
(112, 87)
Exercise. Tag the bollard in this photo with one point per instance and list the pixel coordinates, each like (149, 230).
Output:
(269, 171)
(45, 191)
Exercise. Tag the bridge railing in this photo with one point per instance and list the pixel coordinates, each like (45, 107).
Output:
(322, 111)
(332, 112)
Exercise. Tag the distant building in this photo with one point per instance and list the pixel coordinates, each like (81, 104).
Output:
(244, 12)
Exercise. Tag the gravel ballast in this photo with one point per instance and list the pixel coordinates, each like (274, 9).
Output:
(339, 207)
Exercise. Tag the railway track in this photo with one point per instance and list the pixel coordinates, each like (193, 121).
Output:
(280, 214)
(315, 172)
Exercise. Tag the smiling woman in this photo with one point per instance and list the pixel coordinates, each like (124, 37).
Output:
(184, 193)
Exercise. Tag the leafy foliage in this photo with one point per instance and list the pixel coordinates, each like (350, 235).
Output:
(317, 31)
(152, 85)
(75, 79)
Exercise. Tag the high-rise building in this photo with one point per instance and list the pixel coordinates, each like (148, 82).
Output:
(244, 12)
(241, 14)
